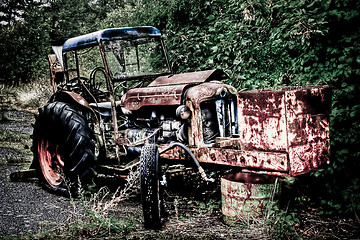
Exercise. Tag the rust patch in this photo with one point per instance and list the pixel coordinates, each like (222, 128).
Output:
(271, 161)
(262, 122)
(123, 141)
(136, 98)
(308, 100)
(245, 195)
(207, 91)
(308, 128)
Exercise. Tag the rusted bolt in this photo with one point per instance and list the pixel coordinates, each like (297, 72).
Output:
(242, 159)
(268, 161)
(231, 157)
(213, 156)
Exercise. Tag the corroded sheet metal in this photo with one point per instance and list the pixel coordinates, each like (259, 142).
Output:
(55, 66)
(189, 78)
(262, 120)
(246, 195)
(207, 91)
(273, 161)
(194, 131)
(68, 96)
(150, 96)
(307, 116)
(293, 120)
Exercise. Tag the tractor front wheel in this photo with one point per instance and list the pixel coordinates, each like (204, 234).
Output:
(150, 186)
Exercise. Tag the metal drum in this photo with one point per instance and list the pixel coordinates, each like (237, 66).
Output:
(246, 195)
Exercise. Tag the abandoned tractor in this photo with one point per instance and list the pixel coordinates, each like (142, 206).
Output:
(116, 101)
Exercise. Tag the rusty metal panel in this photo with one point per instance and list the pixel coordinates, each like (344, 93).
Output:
(292, 120)
(283, 132)
(273, 161)
(308, 100)
(55, 66)
(189, 78)
(195, 133)
(262, 120)
(207, 91)
(135, 98)
(307, 116)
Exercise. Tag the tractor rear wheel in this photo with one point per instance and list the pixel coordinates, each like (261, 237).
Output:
(150, 186)
(63, 148)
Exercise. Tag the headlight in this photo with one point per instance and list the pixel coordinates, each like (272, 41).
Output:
(183, 112)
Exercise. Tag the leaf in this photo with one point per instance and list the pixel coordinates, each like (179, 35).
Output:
(214, 49)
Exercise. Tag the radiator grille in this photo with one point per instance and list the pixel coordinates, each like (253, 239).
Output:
(219, 119)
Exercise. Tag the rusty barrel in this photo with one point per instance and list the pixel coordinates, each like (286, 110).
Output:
(246, 195)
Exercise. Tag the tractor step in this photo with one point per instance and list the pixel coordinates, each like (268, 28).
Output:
(23, 175)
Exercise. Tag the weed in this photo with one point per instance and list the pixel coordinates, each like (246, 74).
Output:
(210, 206)
(101, 201)
(281, 222)
(7, 96)
(187, 217)
(96, 220)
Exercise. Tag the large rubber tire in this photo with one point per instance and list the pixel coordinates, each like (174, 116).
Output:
(63, 149)
(150, 186)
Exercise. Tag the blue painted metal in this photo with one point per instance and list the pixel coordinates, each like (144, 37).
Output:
(93, 39)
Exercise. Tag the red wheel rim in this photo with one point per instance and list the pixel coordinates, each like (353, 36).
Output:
(51, 162)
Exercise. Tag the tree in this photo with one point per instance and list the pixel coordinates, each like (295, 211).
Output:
(28, 28)
(22, 42)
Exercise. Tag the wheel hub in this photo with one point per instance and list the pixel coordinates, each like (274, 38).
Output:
(51, 162)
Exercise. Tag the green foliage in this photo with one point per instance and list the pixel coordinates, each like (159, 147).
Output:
(210, 206)
(103, 226)
(23, 46)
(6, 136)
(282, 222)
(28, 29)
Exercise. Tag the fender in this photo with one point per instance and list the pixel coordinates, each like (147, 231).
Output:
(70, 97)
(77, 100)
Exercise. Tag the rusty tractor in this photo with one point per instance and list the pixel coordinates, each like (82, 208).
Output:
(116, 103)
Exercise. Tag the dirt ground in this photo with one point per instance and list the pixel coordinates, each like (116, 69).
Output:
(26, 208)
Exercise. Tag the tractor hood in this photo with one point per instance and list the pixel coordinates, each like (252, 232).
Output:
(189, 78)
(167, 90)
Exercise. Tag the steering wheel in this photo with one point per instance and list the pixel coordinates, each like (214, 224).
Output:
(95, 86)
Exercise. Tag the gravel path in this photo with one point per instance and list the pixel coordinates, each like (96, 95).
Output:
(24, 206)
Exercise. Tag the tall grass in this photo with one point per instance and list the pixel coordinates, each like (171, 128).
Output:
(91, 216)
(34, 94)
(28, 95)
